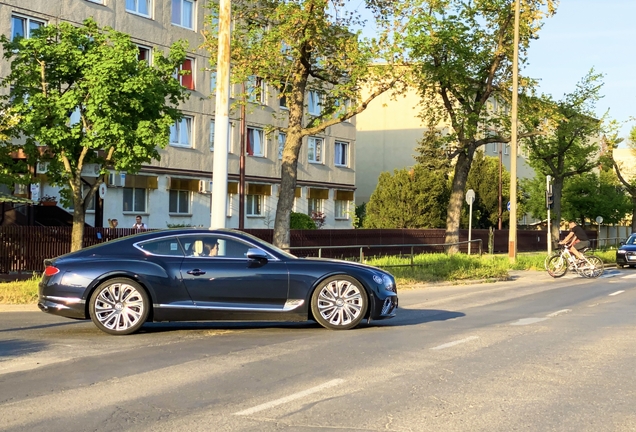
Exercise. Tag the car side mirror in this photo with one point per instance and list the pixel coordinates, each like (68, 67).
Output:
(622, 243)
(257, 254)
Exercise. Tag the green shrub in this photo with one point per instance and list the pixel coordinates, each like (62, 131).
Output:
(301, 221)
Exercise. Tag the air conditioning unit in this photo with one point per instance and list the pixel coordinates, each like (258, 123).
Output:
(42, 167)
(91, 170)
(205, 186)
(116, 179)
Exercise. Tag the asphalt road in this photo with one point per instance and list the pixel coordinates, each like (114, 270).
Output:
(533, 354)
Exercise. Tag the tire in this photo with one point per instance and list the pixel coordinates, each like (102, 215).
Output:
(595, 268)
(557, 266)
(119, 306)
(549, 257)
(339, 303)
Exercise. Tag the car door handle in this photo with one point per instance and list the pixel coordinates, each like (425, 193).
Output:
(196, 272)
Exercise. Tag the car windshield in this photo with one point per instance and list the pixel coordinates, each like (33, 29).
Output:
(269, 245)
(631, 240)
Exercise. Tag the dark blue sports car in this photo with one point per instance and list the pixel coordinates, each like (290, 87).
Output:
(626, 254)
(195, 274)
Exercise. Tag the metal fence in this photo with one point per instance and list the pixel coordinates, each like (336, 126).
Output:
(24, 248)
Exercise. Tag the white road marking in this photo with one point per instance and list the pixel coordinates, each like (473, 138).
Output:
(457, 342)
(629, 276)
(290, 398)
(527, 321)
(617, 293)
(559, 312)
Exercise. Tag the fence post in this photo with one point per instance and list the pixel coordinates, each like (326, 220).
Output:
(319, 252)
(412, 247)
(361, 256)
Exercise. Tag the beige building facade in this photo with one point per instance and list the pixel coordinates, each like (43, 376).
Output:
(176, 190)
(387, 139)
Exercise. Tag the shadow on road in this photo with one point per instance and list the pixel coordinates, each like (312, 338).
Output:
(406, 317)
(41, 326)
(17, 347)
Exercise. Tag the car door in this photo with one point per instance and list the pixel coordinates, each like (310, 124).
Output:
(230, 285)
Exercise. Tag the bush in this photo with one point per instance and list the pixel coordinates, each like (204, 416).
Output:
(301, 221)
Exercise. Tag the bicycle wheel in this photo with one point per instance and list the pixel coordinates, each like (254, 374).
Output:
(593, 268)
(557, 266)
(548, 257)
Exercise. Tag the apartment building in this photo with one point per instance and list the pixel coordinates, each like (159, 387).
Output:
(176, 190)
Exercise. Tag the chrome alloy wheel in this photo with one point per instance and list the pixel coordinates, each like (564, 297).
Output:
(119, 307)
(340, 302)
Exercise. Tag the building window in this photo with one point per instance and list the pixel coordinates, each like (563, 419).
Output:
(342, 154)
(255, 143)
(181, 133)
(254, 205)
(341, 209)
(183, 13)
(314, 149)
(144, 54)
(256, 89)
(282, 97)
(314, 205)
(185, 73)
(179, 201)
(505, 148)
(342, 107)
(281, 144)
(23, 26)
(229, 138)
(313, 103)
(134, 200)
(141, 7)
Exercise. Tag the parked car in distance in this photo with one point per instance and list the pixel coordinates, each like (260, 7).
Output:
(626, 253)
(199, 274)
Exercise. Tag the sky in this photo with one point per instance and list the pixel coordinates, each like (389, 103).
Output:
(585, 34)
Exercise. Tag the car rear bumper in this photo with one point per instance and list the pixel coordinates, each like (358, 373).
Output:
(63, 306)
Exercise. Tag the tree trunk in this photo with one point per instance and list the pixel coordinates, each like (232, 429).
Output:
(633, 213)
(462, 167)
(77, 235)
(291, 150)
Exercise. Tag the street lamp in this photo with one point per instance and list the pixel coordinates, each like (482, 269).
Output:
(218, 211)
(512, 233)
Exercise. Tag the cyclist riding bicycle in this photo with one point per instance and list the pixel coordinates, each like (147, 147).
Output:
(576, 240)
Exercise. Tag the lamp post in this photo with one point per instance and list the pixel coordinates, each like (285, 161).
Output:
(512, 234)
(218, 211)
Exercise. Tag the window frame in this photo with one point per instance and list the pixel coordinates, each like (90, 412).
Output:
(320, 205)
(250, 204)
(136, 12)
(249, 146)
(256, 90)
(27, 19)
(345, 210)
(345, 153)
(177, 125)
(192, 16)
(186, 80)
(281, 145)
(314, 106)
(311, 149)
(188, 200)
(145, 48)
(134, 209)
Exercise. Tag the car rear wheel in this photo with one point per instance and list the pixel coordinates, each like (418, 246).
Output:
(119, 306)
(339, 303)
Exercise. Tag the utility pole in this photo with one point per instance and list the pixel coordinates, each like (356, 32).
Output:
(500, 184)
(218, 211)
(242, 163)
(512, 234)
(548, 204)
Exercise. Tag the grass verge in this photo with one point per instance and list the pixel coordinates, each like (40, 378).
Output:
(428, 268)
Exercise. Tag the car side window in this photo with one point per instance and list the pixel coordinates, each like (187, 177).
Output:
(165, 246)
(213, 246)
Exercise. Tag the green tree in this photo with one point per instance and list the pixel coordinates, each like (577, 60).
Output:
(11, 171)
(572, 146)
(462, 59)
(589, 195)
(301, 47)
(628, 183)
(85, 98)
(484, 180)
(414, 198)
(301, 221)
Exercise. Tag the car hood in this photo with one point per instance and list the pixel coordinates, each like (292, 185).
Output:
(341, 262)
(629, 248)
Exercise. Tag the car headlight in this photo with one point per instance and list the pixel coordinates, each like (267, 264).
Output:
(620, 251)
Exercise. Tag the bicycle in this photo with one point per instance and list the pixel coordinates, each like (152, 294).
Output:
(590, 266)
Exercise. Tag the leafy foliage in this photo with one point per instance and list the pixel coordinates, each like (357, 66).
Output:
(301, 221)
(484, 180)
(83, 97)
(302, 47)
(413, 198)
(463, 59)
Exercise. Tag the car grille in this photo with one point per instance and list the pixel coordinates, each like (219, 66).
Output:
(388, 306)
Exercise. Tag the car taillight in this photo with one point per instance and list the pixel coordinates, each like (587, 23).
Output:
(50, 271)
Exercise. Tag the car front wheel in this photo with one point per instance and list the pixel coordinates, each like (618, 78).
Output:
(339, 303)
(119, 306)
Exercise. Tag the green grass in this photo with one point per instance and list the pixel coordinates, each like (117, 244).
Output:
(20, 292)
(429, 268)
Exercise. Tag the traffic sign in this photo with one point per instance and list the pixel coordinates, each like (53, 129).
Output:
(470, 196)
(508, 206)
